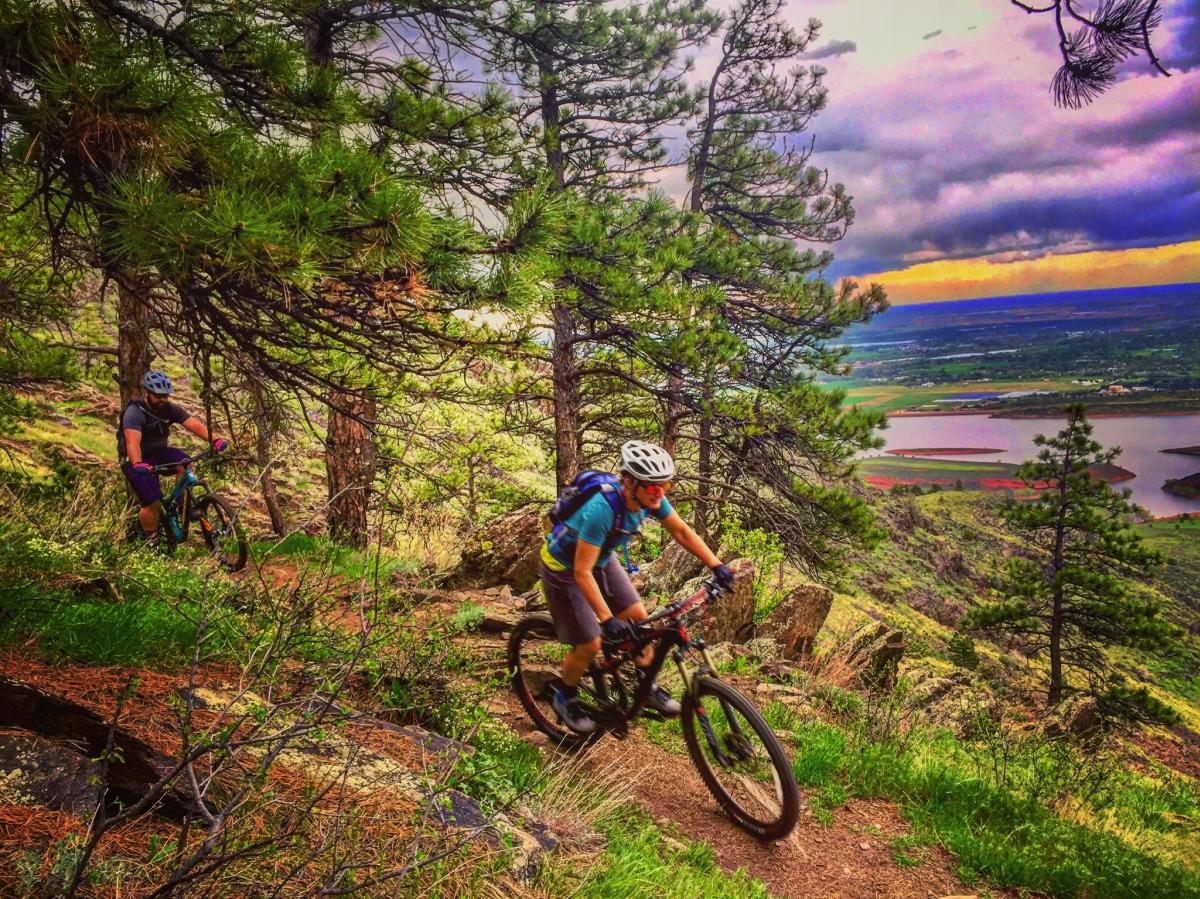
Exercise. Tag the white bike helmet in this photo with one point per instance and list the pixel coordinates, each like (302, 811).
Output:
(647, 462)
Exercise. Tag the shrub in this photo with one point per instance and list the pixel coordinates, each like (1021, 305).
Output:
(960, 649)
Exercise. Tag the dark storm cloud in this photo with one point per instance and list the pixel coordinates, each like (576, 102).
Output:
(833, 48)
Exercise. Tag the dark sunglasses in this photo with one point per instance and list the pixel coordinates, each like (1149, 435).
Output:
(665, 487)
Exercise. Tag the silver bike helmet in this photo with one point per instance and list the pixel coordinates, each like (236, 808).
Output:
(647, 462)
(157, 382)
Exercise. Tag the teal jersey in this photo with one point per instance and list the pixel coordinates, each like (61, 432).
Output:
(592, 523)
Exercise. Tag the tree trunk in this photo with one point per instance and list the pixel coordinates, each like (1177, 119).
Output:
(567, 438)
(1054, 694)
(350, 464)
(670, 434)
(133, 342)
(349, 444)
(264, 433)
(1058, 562)
(704, 476)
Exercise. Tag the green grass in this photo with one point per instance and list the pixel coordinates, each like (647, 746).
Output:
(638, 864)
(1001, 834)
(93, 601)
(341, 561)
(137, 633)
(894, 397)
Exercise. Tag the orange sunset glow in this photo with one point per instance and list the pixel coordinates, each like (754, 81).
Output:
(958, 279)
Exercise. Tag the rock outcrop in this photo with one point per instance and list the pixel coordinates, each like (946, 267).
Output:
(875, 652)
(506, 552)
(1077, 717)
(794, 623)
(731, 618)
(953, 701)
(135, 766)
(35, 771)
(668, 573)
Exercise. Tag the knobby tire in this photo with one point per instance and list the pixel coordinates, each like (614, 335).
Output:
(529, 688)
(214, 511)
(716, 692)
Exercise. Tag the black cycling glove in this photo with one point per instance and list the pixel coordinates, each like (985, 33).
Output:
(617, 630)
(724, 575)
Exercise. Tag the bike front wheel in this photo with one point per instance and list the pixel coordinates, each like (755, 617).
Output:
(222, 534)
(740, 759)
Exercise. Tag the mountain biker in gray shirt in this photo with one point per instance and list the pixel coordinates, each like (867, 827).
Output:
(142, 444)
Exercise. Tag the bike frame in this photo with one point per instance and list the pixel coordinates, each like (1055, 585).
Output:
(179, 503)
(672, 640)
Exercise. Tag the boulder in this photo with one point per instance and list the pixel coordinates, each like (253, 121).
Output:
(1077, 717)
(953, 701)
(135, 766)
(505, 552)
(794, 623)
(731, 618)
(875, 653)
(37, 771)
(669, 572)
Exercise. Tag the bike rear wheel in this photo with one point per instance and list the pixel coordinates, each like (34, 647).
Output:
(221, 532)
(535, 656)
(740, 759)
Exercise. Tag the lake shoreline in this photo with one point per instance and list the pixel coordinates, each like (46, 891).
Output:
(1030, 416)
(1140, 437)
(947, 451)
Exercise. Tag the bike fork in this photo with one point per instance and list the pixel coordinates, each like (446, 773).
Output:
(689, 679)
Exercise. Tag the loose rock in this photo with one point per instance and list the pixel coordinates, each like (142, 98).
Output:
(794, 623)
(506, 552)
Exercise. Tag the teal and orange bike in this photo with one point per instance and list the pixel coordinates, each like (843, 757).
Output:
(193, 502)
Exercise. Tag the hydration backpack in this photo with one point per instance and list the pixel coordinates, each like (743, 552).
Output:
(586, 485)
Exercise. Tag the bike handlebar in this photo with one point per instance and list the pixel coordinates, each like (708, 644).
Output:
(710, 591)
(171, 466)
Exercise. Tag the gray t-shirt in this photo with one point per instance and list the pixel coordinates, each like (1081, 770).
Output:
(154, 424)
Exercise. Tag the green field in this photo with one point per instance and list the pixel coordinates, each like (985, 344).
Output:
(1179, 542)
(887, 471)
(894, 397)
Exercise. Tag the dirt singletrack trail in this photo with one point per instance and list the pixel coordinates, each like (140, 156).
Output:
(848, 859)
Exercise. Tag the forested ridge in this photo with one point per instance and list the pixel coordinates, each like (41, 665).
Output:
(417, 264)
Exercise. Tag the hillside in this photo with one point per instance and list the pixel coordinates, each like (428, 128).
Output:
(902, 794)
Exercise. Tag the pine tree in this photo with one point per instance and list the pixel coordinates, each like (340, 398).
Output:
(598, 83)
(1075, 599)
(1094, 42)
(243, 197)
(771, 443)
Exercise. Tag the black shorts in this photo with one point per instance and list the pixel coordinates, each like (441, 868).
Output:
(573, 618)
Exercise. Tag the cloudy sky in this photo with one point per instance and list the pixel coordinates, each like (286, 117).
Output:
(969, 182)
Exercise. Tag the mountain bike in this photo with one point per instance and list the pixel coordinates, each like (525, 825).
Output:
(193, 501)
(737, 754)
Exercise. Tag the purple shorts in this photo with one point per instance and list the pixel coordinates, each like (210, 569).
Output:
(573, 618)
(146, 485)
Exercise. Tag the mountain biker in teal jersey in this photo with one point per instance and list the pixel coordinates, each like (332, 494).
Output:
(142, 444)
(590, 594)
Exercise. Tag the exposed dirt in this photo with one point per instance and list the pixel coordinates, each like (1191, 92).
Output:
(849, 858)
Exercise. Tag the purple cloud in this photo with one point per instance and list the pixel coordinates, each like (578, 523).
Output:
(963, 153)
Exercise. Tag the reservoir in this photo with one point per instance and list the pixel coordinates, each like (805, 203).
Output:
(1140, 437)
